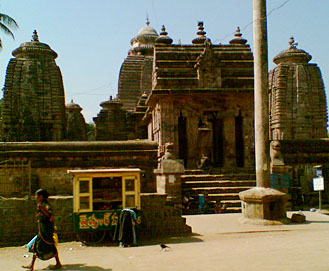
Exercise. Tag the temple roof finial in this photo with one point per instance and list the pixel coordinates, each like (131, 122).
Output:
(35, 36)
(163, 38)
(237, 32)
(238, 40)
(71, 101)
(147, 20)
(163, 31)
(201, 32)
(292, 54)
(200, 35)
(293, 44)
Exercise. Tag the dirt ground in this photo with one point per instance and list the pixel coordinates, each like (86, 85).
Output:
(220, 243)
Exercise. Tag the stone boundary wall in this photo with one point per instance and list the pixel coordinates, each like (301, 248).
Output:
(160, 219)
(49, 161)
(18, 223)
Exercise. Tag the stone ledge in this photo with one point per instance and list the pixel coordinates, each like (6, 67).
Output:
(260, 194)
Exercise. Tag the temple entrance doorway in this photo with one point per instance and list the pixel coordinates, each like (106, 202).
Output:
(217, 139)
(182, 139)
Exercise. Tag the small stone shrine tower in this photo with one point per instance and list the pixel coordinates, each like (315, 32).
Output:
(76, 124)
(33, 103)
(111, 121)
(297, 97)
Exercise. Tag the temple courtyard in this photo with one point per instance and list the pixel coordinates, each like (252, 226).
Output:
(219, 242)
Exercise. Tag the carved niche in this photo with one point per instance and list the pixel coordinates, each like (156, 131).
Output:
(209, 69)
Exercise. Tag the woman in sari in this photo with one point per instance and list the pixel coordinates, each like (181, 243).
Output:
(44, 245)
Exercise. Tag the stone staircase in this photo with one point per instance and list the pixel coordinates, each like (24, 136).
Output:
(222, 184)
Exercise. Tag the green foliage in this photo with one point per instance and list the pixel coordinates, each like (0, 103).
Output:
(91, 131)
(6, 24)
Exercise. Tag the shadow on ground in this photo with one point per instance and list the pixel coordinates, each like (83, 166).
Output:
(144, 241)
(82, 267)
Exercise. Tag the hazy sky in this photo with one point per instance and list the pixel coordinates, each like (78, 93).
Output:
(92, 37)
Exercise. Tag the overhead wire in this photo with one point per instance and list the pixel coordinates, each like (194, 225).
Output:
(250, 23)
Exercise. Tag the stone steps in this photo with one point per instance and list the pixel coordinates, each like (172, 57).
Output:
(218, 190)
(224, 185)
(218, 177)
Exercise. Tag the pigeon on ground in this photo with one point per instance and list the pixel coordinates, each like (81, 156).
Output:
(164, 247)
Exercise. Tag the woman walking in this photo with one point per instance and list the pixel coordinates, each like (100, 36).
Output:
(44, 245)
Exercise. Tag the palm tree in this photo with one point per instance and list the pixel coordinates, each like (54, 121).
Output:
(6, 22)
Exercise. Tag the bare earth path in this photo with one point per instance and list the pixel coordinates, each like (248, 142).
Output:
(222, 244)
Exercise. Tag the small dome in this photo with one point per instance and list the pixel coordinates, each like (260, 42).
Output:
(147, 30)
(73, 106)
(292, 55)
(144, 42)
(34, 48)
(111, 104)
(146, 34)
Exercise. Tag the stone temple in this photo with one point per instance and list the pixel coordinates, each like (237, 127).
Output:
(297, 97)
(198, 97)
(183, 114)
(33, 102)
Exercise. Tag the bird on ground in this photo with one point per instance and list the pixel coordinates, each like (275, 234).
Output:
(164, 247)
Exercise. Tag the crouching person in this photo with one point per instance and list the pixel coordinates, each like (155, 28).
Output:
(125, 231)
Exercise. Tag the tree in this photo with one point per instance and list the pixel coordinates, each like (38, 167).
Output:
(6, 24)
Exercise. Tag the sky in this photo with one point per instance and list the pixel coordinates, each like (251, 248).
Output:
(92, 37)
